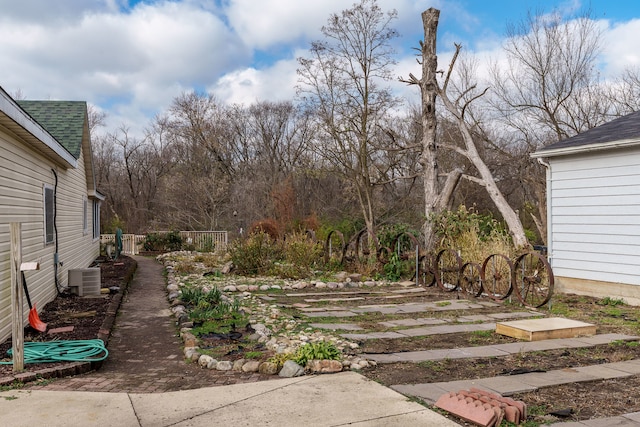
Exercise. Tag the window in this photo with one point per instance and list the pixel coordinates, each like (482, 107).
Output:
(49, 215)
(96, 219)
(85, 221)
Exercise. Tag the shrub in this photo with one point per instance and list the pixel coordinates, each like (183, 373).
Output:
(300, 256)
(255, 255)
(476, 236)
(164, 242)
(320, 350)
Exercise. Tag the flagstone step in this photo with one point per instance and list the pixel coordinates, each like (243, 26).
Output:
(512, 384)
(497, 349)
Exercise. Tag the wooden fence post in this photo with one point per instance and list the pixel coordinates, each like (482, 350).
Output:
(17, 333)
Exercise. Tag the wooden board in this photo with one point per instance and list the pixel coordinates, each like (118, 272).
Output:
(543, 329)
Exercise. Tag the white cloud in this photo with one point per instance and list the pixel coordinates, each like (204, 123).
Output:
(264, 23)
(621, 47)
(249, 85)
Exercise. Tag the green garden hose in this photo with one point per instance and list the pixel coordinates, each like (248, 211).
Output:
(62, 351)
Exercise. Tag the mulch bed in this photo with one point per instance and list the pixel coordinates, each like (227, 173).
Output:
(87, 315)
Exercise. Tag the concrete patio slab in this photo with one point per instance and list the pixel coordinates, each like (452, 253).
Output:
(428, 392)
(602, 371)
(347, 299)
(447, 329)
(515, 315)
(373, 336)
(506, 385)
(331, 314)
(559, 376)
(337, 326)
(630, 366)
(53, 408)
(475, 318)
(606, 338)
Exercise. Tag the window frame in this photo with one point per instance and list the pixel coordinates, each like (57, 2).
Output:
(49, 214)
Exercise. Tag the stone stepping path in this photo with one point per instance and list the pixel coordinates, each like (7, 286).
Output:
(366, 293)
(447, 329)
(497, 349)
(446, 305)
(512, 384)
(424, 331)
(462, 319)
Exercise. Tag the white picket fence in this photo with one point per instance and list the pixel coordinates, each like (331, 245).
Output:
(210, 241)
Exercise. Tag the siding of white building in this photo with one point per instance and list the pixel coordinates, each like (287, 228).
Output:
(24, 171)
(595, 216)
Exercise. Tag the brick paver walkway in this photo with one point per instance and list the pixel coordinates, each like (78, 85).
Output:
(145, 351)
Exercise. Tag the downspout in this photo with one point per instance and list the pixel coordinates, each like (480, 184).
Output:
(56, 260)
(547, 167)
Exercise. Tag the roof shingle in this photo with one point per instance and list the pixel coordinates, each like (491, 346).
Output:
(64, 120)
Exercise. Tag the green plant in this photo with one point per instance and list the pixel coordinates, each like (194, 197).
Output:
(320, 350)
(254, 255)
(394, 268)
(443, 303)
(475, 235)
(253, 355)
(164, 242)
(613, 302)
(280, 358)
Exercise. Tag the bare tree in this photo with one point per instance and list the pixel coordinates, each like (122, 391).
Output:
(548, 91)
(341, 83)
(459, 109)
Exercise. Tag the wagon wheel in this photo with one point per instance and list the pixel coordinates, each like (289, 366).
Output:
(470, 280)
(426, 275)
(447, 268)
(334, 247)
(384, 255)
(364, 242)
(406, 247)
(533, 279)
(496, 275)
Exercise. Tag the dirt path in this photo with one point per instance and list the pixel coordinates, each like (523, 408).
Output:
(145, 351)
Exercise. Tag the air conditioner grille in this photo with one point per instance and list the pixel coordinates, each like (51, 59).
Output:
(85, 281)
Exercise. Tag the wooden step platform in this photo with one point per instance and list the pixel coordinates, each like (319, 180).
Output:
(543, 329)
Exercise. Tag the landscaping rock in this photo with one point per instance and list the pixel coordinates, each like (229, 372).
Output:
(251, 366)
(224, 365)
(291, 369)
(227, 268)
(268, 368)
(204, 360)
(237, 365)
(324, 366)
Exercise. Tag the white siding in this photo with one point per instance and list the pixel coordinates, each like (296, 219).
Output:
(23, 173)
(595, 216)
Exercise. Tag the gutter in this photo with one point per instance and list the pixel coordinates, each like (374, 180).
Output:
(547, 168)
(12, 110)
(563, 151)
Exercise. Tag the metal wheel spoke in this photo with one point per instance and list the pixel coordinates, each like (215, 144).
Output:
(496, 275)
(470, 279)
(533, 279)
(448, 265)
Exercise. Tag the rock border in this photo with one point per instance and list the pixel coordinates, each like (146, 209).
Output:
(283, 345)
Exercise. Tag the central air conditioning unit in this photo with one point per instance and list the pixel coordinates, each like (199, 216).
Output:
(85, 281)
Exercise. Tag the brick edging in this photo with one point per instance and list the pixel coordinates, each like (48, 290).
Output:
(77, 368)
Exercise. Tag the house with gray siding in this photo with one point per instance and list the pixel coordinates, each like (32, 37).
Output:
(46, 184)
(593, 210)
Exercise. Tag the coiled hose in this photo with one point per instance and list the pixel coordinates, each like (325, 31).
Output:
(62, 351)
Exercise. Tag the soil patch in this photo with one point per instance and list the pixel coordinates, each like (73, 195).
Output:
(85, 314)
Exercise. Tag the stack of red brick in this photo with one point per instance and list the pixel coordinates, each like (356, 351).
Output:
(482, 407)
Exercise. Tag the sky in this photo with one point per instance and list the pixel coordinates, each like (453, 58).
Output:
(130, 59)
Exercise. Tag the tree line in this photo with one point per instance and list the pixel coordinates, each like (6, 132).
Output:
(347, 153)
